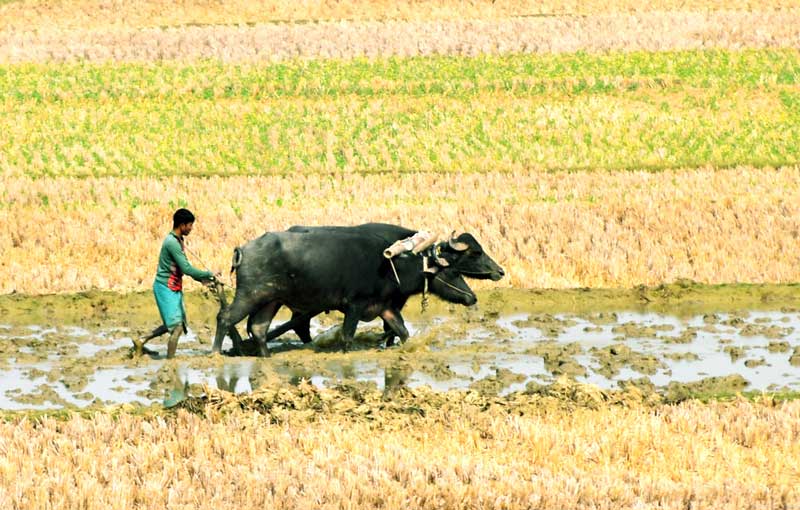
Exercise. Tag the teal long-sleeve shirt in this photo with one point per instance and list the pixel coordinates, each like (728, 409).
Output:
(173, 264)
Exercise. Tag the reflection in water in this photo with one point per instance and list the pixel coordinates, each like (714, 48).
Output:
(297, 375)
(226, 384)
(237, 378)
(395, 377)
(177, 386)
(348, 371)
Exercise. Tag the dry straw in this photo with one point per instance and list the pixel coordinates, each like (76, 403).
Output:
(584, 229)
(448, 451)
(23, 15)
(84, 33)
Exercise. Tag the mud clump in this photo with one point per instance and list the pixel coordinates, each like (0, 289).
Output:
(753, 363)
(437, 369)
(591, 396)
(34, 373)
(794, 359)
(686, 337)
(643, 384)
(88, 396)
(634, 330)
(734, 352)
(570, 368)
(774, 332)
(779, 346)
(682, 356)
(306, 402)
(614, 357)
(551, 327)
(44, 394)
(558, 358)
(494, 384)
(705, 388)
(76, 376)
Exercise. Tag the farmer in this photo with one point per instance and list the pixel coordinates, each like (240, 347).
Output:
(168, 285)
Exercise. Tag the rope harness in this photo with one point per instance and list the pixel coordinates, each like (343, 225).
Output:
(426, 255)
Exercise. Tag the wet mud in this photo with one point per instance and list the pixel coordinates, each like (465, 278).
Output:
(673, 342)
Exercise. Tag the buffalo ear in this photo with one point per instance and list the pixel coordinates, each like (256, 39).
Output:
(457, 245)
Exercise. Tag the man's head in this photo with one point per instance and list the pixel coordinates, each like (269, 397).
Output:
(183, 221)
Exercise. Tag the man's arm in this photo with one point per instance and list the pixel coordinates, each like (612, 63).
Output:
(174, 249)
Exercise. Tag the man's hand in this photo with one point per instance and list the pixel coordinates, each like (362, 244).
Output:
(213, 279)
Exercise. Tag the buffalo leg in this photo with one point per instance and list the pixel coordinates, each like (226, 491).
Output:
(299, 322)
(232, 332)
(234, 335)
(303, 328)
(227, 318)
(256, 318)
(279, 330)
(393, 324)
(349, 329)
(260, 327)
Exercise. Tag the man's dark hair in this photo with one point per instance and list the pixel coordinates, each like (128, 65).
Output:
(182, 216)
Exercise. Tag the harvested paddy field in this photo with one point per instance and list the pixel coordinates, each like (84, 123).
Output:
(284, 450)
(630, 166)
(523, 402)
(547, 230)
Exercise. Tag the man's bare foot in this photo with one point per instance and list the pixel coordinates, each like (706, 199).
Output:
(138, 347)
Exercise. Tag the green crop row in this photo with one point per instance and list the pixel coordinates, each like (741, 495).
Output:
(519, 75)
(438, 114)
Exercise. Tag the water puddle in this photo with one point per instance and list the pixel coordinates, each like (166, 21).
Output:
(76, 366)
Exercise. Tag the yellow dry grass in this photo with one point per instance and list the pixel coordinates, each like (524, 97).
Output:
(54, 14)
(461, 454)
(548, 230)
(97, 36)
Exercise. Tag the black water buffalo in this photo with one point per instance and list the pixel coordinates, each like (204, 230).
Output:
(473, 263)
(313, 272)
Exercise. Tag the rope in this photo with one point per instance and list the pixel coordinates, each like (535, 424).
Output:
(391, 263)
(424, 304)
(193, 254)
(438, 277)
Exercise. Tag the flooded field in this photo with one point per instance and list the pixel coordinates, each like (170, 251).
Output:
(74, 351)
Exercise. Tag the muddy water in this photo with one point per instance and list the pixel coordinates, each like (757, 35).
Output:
(74, 351)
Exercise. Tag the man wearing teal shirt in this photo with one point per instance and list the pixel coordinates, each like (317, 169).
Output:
(168, 285)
